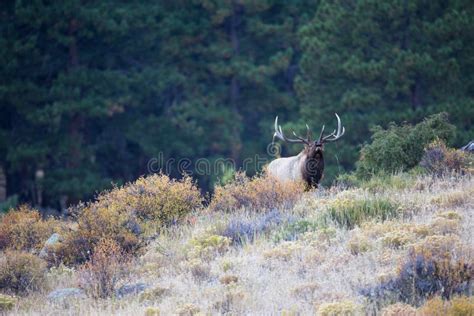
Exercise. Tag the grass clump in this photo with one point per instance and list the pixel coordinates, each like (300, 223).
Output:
(399, 309)
(293, 229)
(208, 246)
(339, 308)
(261, 193)
(7, 302)
(187, 310)
(24, 229)
(457, 306)
(21, 272)
(152, 311)
(381, 182)
(348, 212)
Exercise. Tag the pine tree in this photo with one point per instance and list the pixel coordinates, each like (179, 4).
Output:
(374, 62)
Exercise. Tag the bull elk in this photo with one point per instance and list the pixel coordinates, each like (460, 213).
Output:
(308, 165)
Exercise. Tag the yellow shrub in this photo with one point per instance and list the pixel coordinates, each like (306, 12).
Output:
(124, 214)
(458, 306)
(7, 302)
(339, 308)
(157, 198)
(24, 229)
(95, 223)
(208, 246)
(21, 272)
(259, 193)
(397, 239)
(153, 294)
(187, 310)
(152, 311)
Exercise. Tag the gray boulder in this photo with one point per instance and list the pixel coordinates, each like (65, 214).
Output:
(52, 241)
(469, 147)
(66, 294)
(131, 289)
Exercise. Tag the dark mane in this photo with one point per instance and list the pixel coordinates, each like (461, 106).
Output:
(313, 167)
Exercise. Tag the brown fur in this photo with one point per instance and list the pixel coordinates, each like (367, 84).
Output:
(313, 167)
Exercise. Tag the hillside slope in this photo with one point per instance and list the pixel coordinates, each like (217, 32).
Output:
(343, 250)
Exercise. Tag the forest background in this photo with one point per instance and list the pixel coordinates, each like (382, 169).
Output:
(91, 91)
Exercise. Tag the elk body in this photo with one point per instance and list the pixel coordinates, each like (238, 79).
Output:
(308, 165)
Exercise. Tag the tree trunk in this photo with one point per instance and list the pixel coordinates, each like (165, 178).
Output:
(234, 85)
(3, 185)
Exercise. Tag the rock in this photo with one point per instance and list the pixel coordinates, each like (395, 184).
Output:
(131, 289)
(63, 295)
(469, 147)
(52, 241)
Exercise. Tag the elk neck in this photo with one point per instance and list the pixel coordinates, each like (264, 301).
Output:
(312, 166)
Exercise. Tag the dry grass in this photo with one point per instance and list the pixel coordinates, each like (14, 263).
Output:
(194, 268)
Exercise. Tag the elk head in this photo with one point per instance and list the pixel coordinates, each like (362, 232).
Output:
(310, 162)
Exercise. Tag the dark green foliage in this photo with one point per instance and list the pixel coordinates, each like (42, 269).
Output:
(91, 91)
(376, 62)
(401, 147)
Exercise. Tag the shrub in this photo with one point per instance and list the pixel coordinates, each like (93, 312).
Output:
(400, 148)
(124, 215)
(94, 223)
(208, 246)
(187, 310)
(261, 193)
(349, 212)
(7, 302)
(440, 160)
(21, 272)
(359, 244)
(24, 229)
(152, 311)
(153, 294)
(107, 265)
(339, 308)
(155, 198)
(458, 306)
(435, 266)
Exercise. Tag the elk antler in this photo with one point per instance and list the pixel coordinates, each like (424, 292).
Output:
(280, 135)
(335, 135)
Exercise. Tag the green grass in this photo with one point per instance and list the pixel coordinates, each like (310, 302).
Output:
(351, 213)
